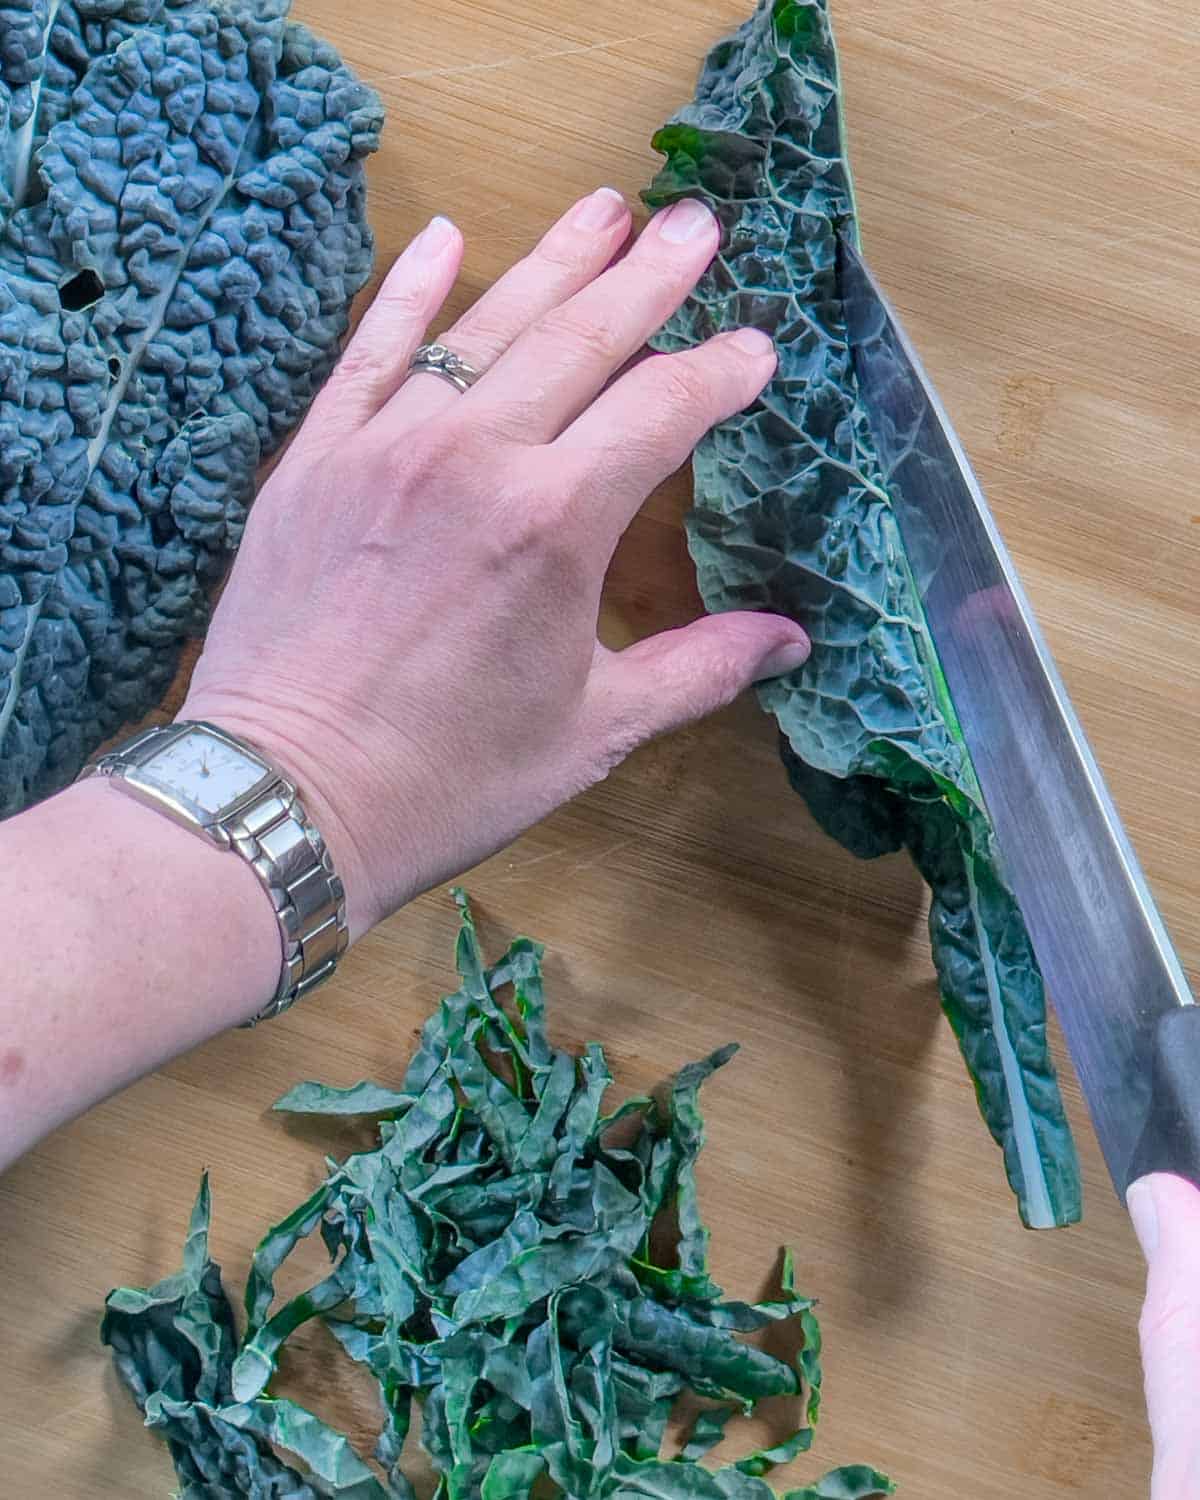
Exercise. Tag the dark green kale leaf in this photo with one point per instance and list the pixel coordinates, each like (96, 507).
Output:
(491, 1266)
(791, 514)
(174, 1347)
(182, 229)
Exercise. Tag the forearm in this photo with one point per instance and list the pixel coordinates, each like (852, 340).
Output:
(129, 941)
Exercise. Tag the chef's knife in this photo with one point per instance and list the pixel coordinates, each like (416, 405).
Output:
(1131, 1024)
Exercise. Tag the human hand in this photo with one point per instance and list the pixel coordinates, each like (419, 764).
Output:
(1166, 1215)
(410, 626)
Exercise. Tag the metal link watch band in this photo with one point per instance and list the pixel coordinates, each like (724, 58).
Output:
(270, 829)
(289, 856)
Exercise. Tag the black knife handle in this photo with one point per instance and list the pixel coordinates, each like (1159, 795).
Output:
(1171, 1139)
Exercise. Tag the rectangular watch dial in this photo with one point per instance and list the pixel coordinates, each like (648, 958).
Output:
(200, 769)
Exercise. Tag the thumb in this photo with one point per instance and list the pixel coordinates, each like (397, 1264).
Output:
(681, 675)
(1166, 1215)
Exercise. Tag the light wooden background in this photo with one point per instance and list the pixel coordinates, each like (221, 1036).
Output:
(1030, 185)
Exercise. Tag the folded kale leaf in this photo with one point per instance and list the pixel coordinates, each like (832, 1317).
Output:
(497, 1263)
(791, 514)
(182, 229)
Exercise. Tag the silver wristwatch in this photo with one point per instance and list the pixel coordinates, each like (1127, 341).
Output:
(215, 784)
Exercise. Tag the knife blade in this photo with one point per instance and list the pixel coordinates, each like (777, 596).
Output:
(1130, 1021)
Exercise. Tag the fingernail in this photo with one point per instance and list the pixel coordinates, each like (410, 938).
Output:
(684, 221)
(752, 341)
(434, 239)
(785, 659)
(1143, 1210)
(600, 210)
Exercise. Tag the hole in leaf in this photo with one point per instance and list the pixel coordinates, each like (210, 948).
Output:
(114, 366)
(84, 288)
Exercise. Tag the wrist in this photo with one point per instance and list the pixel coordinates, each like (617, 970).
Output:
(143, 857)
(285, 745)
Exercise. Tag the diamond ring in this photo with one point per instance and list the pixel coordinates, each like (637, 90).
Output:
(436, 359)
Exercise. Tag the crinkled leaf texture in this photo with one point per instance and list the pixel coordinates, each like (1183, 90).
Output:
(173, 1345)
(490, 1260)
(791, 515)
(182, 229)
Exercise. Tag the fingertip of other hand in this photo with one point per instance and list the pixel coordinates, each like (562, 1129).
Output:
(1162, 1204)
(1143, 1213)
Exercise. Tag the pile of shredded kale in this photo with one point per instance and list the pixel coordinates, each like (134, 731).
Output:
(491, 1264)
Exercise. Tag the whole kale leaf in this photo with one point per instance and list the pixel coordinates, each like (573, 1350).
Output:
(182, 229)
(791, 514)
(496, 1262)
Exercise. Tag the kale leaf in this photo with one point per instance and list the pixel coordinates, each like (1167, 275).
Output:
(491, 1263)
(791, 514)
(182, 229)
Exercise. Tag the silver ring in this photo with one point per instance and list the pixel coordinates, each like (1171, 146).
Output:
(436, 359)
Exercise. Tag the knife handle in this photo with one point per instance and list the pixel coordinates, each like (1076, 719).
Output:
(1171, 1139)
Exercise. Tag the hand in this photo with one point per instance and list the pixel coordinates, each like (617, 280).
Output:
(410, 627)
(1166, 1214)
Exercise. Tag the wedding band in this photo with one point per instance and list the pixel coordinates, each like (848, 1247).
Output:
(436, 359)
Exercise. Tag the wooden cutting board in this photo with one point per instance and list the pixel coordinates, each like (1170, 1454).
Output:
(1030, 185)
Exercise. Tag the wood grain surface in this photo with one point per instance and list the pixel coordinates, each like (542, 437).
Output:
(1030, 187)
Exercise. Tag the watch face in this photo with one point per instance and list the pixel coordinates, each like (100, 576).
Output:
(202, 770)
